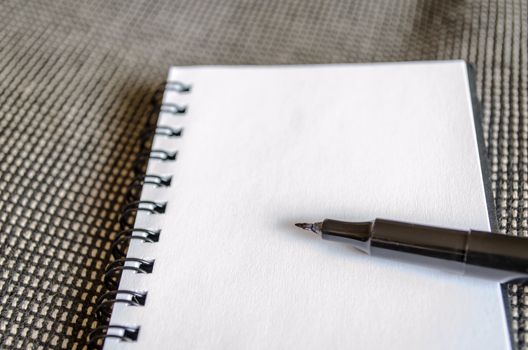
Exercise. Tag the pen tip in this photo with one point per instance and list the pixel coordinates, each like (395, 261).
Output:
(304, 226)
(316, 228)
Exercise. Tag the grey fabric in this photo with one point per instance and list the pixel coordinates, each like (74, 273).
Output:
(76, 81)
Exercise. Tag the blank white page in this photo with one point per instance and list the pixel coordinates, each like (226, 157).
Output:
(265, 147)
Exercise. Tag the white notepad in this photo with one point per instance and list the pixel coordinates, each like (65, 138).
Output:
(265, 147)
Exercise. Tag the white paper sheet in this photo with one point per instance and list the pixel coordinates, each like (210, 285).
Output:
(265, 147)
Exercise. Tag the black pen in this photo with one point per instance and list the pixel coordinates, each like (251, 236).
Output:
(486, 254)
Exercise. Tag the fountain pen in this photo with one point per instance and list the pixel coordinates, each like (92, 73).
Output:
(497, 256)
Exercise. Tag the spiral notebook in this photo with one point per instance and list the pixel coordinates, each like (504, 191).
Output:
(242, 153)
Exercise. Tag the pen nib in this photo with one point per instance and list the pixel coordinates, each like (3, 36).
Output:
(315, 227)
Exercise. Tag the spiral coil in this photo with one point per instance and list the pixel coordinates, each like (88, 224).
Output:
(128, 232)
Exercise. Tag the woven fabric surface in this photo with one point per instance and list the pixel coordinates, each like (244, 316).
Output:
(76, 80)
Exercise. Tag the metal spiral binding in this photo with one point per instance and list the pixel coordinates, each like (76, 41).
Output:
(149, 236)
(114, 269)
(129, 297)
(100, 333)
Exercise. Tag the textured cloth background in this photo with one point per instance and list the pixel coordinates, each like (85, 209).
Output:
(76, 79)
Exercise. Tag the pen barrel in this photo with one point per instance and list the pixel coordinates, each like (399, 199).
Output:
(485, 254)
(439, 247)
(480, 253)
(497, 251)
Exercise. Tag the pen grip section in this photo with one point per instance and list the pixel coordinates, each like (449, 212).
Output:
(356, 233)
